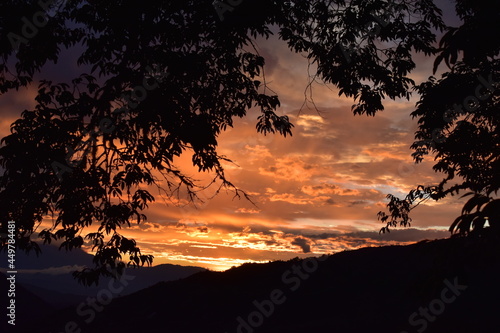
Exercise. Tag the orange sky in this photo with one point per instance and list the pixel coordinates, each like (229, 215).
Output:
(316, 192)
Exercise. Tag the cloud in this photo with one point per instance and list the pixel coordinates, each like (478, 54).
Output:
(303, 244)
(243, 210)
(331, 189)
(289, 168)
(297, 200)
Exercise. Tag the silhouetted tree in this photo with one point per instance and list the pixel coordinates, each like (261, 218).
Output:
(166, 78)
(458, 118)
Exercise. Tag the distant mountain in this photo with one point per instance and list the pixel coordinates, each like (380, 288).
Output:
(142, 277)
(56, 299)
(27, 306)
(441, 286)
(49, 275)
(51, 256)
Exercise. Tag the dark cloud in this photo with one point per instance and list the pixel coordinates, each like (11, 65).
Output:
(330, 201)
(399, 235)
(357, 203)
(303, 243)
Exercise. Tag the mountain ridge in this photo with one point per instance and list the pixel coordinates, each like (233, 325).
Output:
(377, 289)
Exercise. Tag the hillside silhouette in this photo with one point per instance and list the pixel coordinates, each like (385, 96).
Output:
(28, 305)
(49, 275)
(366, 290)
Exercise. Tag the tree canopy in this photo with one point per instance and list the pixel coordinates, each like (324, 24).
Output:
(167, 77)
(458, 117)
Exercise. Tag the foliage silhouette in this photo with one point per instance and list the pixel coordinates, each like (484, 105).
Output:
(167, 78)
(458, 118)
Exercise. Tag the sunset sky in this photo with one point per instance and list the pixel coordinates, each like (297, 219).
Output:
(316, 192)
